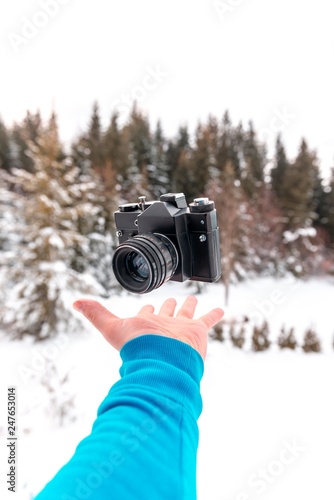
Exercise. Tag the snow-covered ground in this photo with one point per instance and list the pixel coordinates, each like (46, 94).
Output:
(267, 426)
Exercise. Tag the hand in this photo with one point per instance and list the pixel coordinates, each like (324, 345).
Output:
(117, 331)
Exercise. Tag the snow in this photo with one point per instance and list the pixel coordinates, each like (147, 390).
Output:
(304, 232)
(266, 426)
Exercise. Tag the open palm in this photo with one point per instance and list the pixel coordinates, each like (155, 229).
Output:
(117, 331)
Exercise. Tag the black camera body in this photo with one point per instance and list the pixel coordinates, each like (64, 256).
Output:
(166, 240)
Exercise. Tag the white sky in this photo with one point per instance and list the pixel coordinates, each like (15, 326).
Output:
(259, 59)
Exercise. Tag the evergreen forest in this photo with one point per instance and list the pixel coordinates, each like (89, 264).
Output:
(57, 234)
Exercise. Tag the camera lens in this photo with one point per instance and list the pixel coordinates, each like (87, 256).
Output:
(137, 266)
(144, 262)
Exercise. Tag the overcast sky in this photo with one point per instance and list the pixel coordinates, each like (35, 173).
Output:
(268, 61)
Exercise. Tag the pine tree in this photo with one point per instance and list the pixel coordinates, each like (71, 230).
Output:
(99, 160)
(94, 139)
(279, 169)
(159, 170)
(80, 154)
(326, 210)
(212, 128)
(115, 157)
(179, 159)
(299, 201)
(137, 138)
(233, 206)
(300, 181)
(20, 150)
(201, 161)
(21, 137)
(229, 146)
(254, 219)
(87, 149)
(37, 277)
(252, 174)
(5, 156)
(32, 125)
(8, 216)
(237, 147)
(318, 195)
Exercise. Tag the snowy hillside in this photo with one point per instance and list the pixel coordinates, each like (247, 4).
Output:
(266, 429)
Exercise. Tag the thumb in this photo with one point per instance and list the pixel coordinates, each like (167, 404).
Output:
(105, 321)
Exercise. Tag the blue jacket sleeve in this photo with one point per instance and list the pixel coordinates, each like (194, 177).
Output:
(143, 444)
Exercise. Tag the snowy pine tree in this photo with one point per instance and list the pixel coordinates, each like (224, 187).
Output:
(54, 213)
(21, 136)
(7, 215)
(137, 139)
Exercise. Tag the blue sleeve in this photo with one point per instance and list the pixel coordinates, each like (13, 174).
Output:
(143, 444)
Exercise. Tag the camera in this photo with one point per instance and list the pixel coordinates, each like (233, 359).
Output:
(166, 240)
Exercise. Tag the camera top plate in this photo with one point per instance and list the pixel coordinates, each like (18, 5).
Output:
(177, 199)
(129, 207)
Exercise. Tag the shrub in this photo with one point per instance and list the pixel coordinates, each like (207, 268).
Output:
(217, 332)
(237, 339)
(287, 339)
(311, 341)
(260, 338)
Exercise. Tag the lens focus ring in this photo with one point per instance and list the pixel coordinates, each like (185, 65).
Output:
(143, 263)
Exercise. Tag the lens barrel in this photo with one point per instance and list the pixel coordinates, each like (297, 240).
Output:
(144, 262)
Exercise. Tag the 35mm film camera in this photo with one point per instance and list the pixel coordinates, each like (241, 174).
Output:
(166, 240)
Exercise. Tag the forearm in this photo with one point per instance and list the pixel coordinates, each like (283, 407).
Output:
(144, 441)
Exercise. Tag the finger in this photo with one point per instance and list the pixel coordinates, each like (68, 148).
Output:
(188, 308)
(168, 308)
(148, 309)
(211, 318)
(98, 315)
